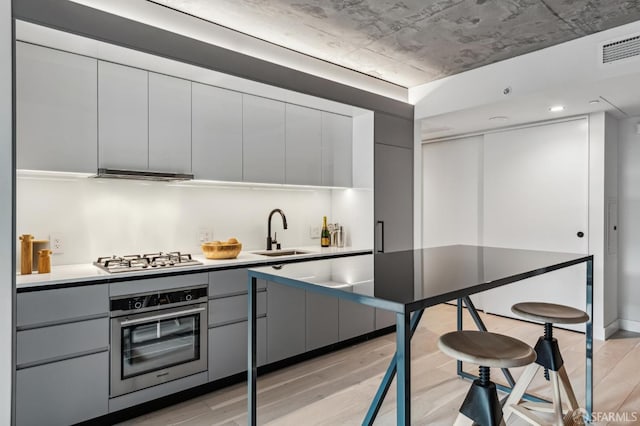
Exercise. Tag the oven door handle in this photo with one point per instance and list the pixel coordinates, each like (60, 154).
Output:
(161, 316)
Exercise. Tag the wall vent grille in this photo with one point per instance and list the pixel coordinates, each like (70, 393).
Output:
(621, 49)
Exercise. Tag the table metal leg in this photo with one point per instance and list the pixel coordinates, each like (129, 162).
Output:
(482, 327)
(589, 339)
(252, 370)
(374, 408)
(403, 365)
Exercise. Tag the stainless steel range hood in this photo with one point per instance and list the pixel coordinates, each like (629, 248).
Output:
(142, 175)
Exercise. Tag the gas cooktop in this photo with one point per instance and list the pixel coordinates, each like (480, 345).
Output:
(145, 262)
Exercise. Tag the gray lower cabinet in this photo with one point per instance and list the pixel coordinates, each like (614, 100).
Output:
(384, 318)
(321, 320)
(285, 321)
(355, 319)
(64, 392)
(228, 348)
(56, 116)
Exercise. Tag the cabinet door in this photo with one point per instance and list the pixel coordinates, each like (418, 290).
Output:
(169, 124)
(322, 320)
(285, 321)
(384, 318)
(263, 140)
(216, 133)
(392, 130)
(303, 146)
(337, 150)
(63, 393)
(355, 319)
(393, 198)
(56, 114)
(123, 119)
(228, 348)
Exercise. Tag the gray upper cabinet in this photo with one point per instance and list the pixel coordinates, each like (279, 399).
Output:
(216, 133)
(392, 130)
(393, 198)
(55, 110)
(303, 146)
(169, 124)
(263, 140)
(123, 120)
(337, 150)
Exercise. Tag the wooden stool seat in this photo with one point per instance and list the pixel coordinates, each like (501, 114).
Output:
(486, 349)
(550, 313)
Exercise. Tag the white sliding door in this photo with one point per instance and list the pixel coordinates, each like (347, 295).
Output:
(452, 193)
(536, 197)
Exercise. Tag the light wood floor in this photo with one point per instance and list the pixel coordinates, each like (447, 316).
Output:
(336, 389)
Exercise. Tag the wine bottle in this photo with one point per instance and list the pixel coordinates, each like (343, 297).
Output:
(325, 236)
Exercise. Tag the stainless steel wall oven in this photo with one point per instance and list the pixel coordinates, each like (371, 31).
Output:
(157, 337)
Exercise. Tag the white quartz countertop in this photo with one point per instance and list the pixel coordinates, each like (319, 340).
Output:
(87, 272)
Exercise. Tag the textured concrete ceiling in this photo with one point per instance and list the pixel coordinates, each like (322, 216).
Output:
(411, 42)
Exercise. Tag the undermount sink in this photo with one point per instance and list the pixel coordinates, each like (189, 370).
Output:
(276, 253)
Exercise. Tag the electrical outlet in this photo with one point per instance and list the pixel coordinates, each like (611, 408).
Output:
(314, 232)
(56, 242)
(204, 235)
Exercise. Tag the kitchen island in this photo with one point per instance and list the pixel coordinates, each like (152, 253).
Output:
(406, 283)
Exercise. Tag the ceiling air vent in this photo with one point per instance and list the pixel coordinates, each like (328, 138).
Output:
(621, 49)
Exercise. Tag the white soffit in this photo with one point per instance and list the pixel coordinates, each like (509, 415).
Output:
(179, 23)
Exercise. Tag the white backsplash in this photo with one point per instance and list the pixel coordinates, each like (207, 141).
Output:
(98, 217)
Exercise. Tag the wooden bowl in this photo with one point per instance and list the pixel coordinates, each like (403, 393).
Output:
(221, 250)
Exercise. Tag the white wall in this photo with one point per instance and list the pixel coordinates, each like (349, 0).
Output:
(7, 271)
(629, 224)
(101, 217)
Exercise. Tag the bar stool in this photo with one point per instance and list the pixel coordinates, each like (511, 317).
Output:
(481, 405)
(550, 359)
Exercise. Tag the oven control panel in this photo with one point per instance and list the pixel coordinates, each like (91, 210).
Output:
(160, 299)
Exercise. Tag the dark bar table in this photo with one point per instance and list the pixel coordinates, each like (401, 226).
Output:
(408, 282)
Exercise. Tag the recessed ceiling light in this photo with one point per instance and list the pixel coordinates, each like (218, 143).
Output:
(556, 108)
(499, 118)
(594, 101)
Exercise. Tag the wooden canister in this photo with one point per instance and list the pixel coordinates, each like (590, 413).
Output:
(37, 246)
(26, 254)
(44, 261)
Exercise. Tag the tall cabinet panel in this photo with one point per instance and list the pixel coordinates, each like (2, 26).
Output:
(56, 110)
(216, 133)
(302, 147)
(337, 150)
(123, 137)
(393, 183)
(264, 140)
(393, 198)
(169, 124)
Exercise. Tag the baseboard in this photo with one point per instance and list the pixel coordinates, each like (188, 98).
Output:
(629, 325)
(611, 329)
